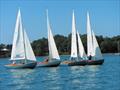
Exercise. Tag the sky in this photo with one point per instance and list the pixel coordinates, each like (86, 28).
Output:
(104, 16)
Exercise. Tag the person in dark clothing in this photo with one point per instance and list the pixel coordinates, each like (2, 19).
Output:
(90, 57)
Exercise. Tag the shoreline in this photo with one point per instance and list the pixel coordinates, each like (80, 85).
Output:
(67, 55)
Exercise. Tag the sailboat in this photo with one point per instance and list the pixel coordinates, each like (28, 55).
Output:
(53, 59)
(93, 50)
(76, 59)
(22, 55)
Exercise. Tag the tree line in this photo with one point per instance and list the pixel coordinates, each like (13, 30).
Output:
(63, 43)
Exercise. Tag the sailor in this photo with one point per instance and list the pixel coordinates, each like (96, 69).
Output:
(90, 57)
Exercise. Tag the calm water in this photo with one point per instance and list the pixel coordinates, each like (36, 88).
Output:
(104, 77)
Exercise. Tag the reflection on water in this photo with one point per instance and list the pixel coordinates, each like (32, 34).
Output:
(51, 76)
(75, 77)
(104, 77)
(84, 77)
(94, 68)
(92, 77)
(21, 78)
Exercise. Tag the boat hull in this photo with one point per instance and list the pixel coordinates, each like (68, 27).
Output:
(95, 62)
(30, 65)
(77, 63)
(54, 63)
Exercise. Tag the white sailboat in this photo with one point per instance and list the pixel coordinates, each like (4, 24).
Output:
(75, 58)
(53, 58)
(93, 50)
(22, 54)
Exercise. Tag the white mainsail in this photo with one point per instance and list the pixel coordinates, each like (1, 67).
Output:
(53, 52)
(82, 53)
(74, 42)
(21, 48)
(97, 52)
(89, 38)
(18, 51)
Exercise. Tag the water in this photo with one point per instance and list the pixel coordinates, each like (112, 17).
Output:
(104, 77)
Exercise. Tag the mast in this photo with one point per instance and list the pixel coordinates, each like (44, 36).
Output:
(23, 38)
(24, 46)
